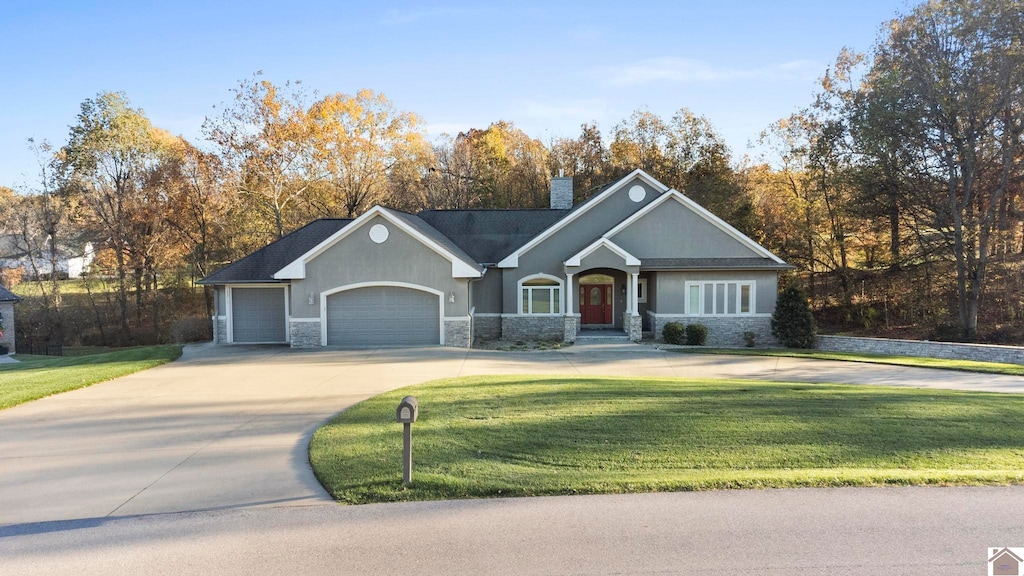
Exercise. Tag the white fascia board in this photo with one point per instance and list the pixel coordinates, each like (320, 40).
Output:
(512, 260)
(297, 269)
(703, 213)
(615, 248)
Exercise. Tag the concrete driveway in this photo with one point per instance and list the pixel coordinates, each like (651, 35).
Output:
(228, 427)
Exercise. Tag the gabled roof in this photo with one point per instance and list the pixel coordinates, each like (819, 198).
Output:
(7, 296)
(1005, 551)
(490, 235)
(512, 260)
(577, 258)
(463, 266)
(261, 265)
(700, 211)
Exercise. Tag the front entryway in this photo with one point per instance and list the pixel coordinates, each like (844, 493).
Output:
(596, 300)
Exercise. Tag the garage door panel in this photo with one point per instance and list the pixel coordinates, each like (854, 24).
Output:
(258, 315)
(383, 315)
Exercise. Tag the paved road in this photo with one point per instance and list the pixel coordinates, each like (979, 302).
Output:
(854, 531)
(221, 435)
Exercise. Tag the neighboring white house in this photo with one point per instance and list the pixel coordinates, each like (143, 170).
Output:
(73, 259)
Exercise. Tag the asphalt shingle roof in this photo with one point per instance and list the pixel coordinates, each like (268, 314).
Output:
(261, 265)
(7, 296)
(488, 236)
(434, 234)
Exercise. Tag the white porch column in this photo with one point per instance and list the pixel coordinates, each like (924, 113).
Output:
(634, 306)
(568, 293)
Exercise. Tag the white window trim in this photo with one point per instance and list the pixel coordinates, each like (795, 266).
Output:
(714, 302)
(642, 282)
(559, 283)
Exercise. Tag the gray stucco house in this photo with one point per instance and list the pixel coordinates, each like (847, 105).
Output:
(633, 257)
(7, 301)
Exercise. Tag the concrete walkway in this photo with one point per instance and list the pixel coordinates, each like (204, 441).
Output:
(228, 427)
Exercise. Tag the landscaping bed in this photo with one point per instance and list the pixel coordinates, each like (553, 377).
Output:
(525, 436)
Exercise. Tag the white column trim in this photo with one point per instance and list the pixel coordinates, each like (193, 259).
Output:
(634, 305)
(568, 294)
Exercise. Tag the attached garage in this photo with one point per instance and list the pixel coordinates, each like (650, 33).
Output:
(383, 315)
(258, 315)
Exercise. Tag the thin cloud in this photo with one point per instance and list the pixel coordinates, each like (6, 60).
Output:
(690, 71)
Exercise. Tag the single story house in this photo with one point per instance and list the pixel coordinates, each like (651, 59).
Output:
(7, 300)
(634, 257)
(72, 258)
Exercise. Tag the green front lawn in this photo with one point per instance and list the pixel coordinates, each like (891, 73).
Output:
(525, 436)
(38, 376)
(961, 365)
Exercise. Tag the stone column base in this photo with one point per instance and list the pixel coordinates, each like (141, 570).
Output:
(633, 326)
(572, 327)
(305, 334)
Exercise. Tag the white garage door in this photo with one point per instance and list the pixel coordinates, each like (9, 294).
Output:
(383, 315)
(257, 315)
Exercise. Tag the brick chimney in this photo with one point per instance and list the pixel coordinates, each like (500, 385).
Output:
(561, 192)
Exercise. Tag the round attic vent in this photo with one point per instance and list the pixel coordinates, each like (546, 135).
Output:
(379, 233)
(637, 193)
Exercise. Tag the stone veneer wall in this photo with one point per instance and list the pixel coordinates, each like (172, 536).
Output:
(305, 334)
(634, 326)
(220, 329)
(456, 333)
(7, 309)
(532, 327)
(947, 350)
(725, 331)
(486, 327)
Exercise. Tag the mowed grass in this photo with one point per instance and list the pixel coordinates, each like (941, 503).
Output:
(525, 436)
(39, 376)
(941, 363)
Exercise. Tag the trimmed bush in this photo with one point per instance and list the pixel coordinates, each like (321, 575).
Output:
(672, 333)
(792, 321)
(749, 338)
(696, 334)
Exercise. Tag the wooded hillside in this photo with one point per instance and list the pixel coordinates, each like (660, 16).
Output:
(896, 191)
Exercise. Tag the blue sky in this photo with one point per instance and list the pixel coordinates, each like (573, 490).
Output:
(546, 66)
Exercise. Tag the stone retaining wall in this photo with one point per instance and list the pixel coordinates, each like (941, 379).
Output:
(723, 331)
(924, 349)
(305, 334)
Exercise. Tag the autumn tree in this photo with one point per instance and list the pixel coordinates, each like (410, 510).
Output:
(268, 144)
(584, 159)
(111, 154)
(959, 65)
(364, 146)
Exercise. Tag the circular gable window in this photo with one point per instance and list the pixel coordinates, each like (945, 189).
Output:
(379, 233)
(637, 193)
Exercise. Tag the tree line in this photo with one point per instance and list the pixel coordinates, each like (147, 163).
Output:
(895, 191)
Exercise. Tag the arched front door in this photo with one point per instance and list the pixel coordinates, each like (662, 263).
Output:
(596, 299)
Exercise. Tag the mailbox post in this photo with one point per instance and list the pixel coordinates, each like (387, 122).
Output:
(407, 412)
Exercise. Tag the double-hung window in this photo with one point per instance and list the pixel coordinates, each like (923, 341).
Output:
(541, 296)
(720, 298)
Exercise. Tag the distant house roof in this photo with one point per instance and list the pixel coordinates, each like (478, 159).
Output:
(7, 296)
(261, 265)
(713, 264)
(490, 235)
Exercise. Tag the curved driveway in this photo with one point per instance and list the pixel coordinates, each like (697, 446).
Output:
(227, 427)
(224, 430)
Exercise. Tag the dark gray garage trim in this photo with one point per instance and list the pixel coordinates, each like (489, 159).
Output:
(257, 314)
(382, 313)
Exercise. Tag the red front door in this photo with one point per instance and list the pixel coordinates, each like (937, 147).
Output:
(596, 303)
